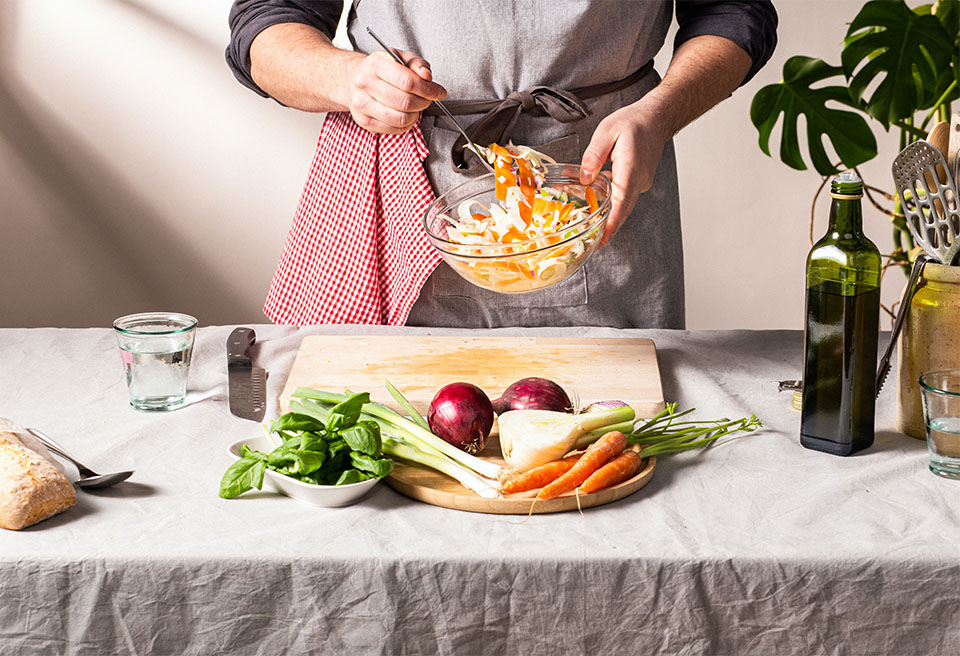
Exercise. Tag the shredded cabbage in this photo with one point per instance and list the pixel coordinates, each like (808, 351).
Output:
(528, 217)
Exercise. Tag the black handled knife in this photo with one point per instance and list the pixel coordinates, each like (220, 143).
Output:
(248, 384)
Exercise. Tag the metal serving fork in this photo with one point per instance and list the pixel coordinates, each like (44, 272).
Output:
(439, 104)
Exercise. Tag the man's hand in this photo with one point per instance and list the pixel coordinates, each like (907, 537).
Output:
(703, 71)
(386, 97)
(299, 66)
(633, 141)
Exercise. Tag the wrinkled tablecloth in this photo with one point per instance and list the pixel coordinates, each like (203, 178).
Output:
(756, 546)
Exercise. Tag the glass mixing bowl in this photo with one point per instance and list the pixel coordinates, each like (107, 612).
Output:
(522, 266)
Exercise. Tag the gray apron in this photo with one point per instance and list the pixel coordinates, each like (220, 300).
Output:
(490, 49)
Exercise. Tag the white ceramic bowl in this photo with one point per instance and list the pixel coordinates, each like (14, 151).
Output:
(327, 496)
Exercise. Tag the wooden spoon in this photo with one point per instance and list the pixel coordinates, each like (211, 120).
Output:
(939, 138)
(953, 149)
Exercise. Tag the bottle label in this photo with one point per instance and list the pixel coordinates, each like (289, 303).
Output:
(845, 281)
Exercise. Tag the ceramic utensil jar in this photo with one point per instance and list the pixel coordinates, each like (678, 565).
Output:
(930, 341)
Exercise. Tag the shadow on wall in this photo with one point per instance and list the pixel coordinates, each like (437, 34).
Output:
(130, 262)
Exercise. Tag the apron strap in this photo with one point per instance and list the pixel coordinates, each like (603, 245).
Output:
(499, 116)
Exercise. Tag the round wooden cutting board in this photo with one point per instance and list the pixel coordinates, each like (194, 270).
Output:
(430, 486)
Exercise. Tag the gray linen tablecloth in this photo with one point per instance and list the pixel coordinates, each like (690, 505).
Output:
(757, 546)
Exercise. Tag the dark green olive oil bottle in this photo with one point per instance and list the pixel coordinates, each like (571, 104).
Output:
(842, 327)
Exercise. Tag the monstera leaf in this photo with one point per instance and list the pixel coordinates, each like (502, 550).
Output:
(906, 51)
(848, 131)
(948, 12)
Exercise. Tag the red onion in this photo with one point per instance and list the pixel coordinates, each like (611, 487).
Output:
(533, 394)
(604, 405)
(461, 414)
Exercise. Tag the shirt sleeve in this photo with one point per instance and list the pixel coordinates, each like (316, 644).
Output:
(751, 24)
(250, 17)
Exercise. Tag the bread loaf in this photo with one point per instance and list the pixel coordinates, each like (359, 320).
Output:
(31, 487)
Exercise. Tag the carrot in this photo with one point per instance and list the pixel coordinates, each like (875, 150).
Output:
(624, 466)
(591, 198)
(538, 476)
(504, 178)
(596, 456)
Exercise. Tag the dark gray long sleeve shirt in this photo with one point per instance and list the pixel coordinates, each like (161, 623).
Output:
(751, 24)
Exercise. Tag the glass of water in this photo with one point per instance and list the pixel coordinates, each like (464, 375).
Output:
(156, 348)
(941, 413)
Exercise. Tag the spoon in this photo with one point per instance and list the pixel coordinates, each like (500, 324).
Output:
(88, 477)
(939, 138)
(439, 104)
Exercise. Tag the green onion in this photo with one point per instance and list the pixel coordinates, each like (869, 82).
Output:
(396, 446)
(663, 434)
(415, 435)
(407, 406)
(399, 449)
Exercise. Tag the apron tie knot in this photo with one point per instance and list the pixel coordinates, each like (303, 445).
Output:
(495, 126)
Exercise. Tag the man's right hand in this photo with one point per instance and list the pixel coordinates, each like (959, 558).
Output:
(300, 67)
(386, 97)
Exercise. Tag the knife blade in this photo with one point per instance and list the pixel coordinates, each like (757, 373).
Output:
(248, 384)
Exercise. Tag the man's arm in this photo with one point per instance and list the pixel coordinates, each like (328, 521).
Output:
(720, 45)
(283, 49)
(704, 70)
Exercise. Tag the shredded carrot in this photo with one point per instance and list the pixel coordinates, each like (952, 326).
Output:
(538, 476)
(591, 197)
(502, 152)
(621, 468)
(504, 178)
(596, 456)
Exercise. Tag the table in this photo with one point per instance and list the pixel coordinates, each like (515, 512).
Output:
(757, 546)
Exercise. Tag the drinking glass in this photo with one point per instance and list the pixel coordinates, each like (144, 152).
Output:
(941, 415)
(155, 348)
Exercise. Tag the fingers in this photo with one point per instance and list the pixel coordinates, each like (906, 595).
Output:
(634, 151)
(388, 97)
(407, 78)
(417, 64)
(597, 152)
(624, 192)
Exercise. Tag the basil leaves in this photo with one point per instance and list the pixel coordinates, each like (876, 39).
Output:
(339, 451)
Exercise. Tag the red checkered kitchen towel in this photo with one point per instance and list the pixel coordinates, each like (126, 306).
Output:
(357, 251)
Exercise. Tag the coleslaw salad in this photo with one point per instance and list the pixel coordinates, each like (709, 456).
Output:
(529, 235)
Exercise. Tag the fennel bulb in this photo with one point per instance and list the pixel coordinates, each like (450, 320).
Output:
(529, 438)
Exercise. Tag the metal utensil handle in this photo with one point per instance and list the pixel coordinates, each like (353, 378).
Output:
(239, 344)
(439, 104)
(918, 264)
(59, 450)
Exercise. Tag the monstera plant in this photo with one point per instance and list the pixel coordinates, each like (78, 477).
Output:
(898, 68)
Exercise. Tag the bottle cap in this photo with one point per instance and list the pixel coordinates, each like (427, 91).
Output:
(846, 186)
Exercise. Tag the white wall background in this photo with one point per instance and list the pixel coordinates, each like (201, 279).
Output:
(136, 174)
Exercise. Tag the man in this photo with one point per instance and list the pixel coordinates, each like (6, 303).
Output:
(571, 78)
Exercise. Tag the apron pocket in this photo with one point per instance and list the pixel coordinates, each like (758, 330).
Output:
(445, 283)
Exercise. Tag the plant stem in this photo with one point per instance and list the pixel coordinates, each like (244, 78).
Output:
(941, 109)
(907, 128)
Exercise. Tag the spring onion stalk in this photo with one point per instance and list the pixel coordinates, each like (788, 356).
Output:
(415, 415)
(468, 478)
(589, 437)
(412, 433)
(663, 434)
(395, 446)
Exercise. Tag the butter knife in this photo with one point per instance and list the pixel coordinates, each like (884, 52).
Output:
(248, 384)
